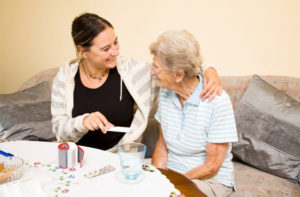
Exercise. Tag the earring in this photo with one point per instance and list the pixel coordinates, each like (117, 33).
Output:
(79, 56)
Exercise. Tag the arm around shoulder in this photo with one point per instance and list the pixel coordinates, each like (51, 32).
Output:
(206, 66)
(212, 84)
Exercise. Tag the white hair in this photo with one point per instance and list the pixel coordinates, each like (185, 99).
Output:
(178, 50)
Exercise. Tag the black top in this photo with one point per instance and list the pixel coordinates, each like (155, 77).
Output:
(106, 100)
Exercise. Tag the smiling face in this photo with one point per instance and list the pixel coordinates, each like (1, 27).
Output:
(104, 50)
(165, 77)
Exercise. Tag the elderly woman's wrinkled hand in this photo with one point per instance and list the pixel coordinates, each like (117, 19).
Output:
(95, 121)
(212, 85)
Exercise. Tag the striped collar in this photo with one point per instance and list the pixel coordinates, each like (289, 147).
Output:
(194, 99)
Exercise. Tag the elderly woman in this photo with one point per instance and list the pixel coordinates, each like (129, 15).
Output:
(100, 89)
(194, 135)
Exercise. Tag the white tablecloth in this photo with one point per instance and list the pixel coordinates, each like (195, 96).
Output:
(41, 174)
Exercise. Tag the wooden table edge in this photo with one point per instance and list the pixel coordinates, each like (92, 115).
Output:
(182, 183)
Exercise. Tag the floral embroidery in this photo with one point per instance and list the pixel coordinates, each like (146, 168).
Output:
(65, 177)
(148, 168)
(68, 183)
(57, 189)
(65, 191)
(72, 169)
(71, 176)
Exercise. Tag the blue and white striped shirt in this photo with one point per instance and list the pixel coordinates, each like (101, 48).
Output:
(187, 131)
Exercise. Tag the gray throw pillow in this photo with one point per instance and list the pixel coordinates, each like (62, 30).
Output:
(26, 115)
(268, 124)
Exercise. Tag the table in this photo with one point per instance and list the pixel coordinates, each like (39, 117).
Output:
(182, 183)
(41, 167)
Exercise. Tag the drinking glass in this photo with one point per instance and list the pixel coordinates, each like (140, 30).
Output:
(131, 157)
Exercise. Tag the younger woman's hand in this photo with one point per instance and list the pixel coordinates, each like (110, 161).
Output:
(95, 121)
(212, 85)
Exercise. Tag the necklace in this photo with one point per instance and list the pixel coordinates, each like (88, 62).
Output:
(89, 75)
(99, 78)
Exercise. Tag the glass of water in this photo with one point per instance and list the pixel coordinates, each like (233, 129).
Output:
(131, 157)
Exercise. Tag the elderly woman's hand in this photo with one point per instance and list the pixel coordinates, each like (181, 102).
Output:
(212, 84)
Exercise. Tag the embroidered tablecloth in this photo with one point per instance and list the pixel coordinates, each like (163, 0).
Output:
(40, 172)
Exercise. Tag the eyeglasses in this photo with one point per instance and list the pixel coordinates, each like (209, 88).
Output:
(156, 68)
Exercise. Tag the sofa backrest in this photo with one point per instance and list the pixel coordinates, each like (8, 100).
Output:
(46, 75)
(235, 86)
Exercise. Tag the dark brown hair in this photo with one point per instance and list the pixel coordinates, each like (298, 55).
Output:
(86, 27)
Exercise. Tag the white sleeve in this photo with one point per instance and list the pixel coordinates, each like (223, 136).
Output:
(64, 127)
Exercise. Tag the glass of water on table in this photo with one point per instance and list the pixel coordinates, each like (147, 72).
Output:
(131, 158)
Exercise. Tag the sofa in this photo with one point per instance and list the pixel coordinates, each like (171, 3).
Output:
(251, 180)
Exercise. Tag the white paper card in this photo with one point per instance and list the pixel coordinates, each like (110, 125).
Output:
(119, 129)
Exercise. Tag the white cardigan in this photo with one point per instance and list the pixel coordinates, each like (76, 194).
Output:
(135, 75)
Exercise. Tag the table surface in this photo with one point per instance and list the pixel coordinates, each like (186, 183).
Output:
(43, 152)
(182, 183)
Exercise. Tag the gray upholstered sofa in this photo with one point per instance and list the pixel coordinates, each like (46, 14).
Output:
(250, 181)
